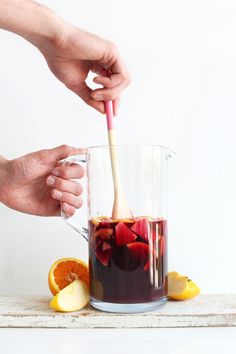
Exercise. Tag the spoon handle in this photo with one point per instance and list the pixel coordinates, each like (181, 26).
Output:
(120, 208)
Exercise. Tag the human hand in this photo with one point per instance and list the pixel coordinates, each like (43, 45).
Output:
(38, 184)
(71, 53)
(74, 53)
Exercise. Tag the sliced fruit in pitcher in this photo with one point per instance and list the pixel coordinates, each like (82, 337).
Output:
(103, 257)
(103, 233)
(131, 256)
(106, 246)
(141, 228)
(123, 259)
(103, 252)
(139, 251)
(124, 235)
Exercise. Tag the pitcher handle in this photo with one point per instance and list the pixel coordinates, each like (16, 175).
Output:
(76, 159)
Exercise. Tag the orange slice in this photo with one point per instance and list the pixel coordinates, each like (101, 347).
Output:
(64, 271)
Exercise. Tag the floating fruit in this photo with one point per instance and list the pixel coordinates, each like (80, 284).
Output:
(181, 287)
(103, 233)
(65, 271)
(141, 228)
(106, 246)
(139, 251)
(127, 221)
(123, 259)
(124, 235)
(72, 298)
(103, 255)
(96, 221)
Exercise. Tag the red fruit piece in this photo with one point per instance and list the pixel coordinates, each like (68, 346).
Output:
(124, 235)
(106, 246)
(141, 228)
(103, 233)
(140, 251)
(103, 252)
(104, 257)
(147, 266)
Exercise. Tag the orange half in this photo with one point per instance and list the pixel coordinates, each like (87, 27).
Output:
(64, 271)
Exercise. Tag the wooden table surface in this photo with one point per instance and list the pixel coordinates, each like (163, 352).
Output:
(215, 310)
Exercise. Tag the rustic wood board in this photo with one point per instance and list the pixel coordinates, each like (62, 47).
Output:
(215, 310)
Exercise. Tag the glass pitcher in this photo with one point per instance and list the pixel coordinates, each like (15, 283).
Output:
(128, 256)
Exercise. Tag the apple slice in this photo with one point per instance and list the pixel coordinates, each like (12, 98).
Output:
(103, 255)
(72, 298)
(123, 259)
(141, 228)
(139, 251)
(106, 246)
(103, 233)
(124, 235)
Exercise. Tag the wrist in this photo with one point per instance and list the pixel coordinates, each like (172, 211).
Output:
(32, 21)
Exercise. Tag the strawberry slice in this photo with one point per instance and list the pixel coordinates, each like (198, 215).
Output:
(141, 228)
(124, 235)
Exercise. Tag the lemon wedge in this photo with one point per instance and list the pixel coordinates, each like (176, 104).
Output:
(72, 298)
(181, 287)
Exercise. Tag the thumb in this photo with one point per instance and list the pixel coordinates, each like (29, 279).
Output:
(63, 151)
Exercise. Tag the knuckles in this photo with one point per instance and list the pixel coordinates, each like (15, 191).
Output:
(79, 202)
(79, 189)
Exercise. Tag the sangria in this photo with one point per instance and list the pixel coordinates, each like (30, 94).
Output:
(128, 260)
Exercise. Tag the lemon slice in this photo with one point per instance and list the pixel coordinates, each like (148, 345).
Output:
(181, 287)
(72, 298)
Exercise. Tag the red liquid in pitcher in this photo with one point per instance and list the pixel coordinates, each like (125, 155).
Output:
(128, 260)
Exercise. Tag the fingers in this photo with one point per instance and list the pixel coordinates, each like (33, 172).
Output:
(67, 209)
(65, 185)
(105, 94)
(108, 82)
(84, 92)
(62, 151)
(63, 189)
(71, 199)
(72, 171)
(113, 85)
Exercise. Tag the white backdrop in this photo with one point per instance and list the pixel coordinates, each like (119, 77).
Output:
(182, 57)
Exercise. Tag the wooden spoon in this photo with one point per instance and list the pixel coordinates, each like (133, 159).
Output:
(120, 206)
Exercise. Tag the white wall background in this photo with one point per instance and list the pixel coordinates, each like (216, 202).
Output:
(182, 57)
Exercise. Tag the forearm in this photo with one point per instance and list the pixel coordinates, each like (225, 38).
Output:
(3, 176)
(34, 22)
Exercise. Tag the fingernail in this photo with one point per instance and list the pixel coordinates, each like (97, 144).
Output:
(98, 97)
(55, 172)
(57, 194)
(50, 181)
